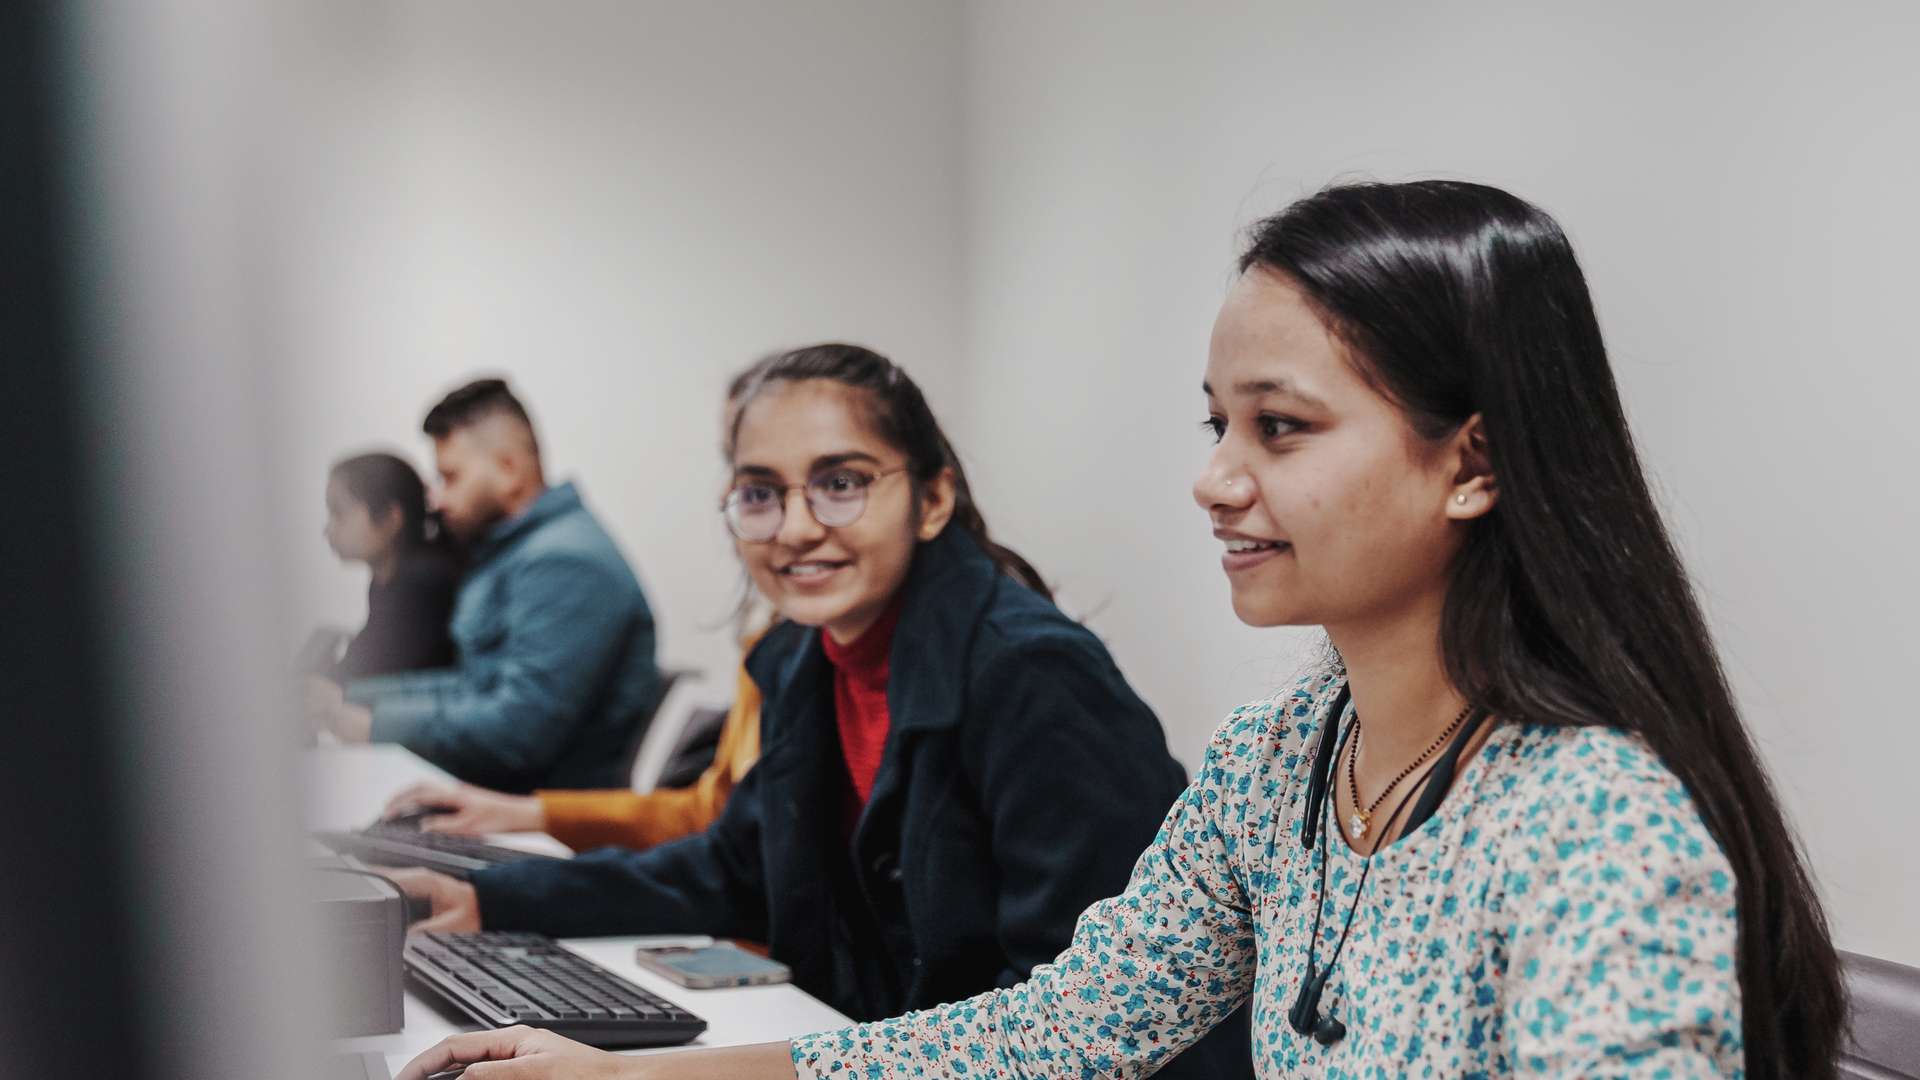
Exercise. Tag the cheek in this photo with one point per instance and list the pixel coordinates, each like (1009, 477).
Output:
(757, 560)
(1349, 493)
(881, 549)
(1379, 529)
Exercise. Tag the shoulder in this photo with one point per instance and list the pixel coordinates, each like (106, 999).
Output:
(1582, 778)
(1033, 681)
(430, 570)
(572, 544)
(1262, 747)
(1021, 630)
(1596, 808)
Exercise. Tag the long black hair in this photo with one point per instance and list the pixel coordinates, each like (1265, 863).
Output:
(383, 481)
(899, 414)
(1567, 604)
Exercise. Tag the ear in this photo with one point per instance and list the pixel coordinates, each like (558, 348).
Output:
(1475, 490)
(391, 521)
(510, 465)
(936, 505)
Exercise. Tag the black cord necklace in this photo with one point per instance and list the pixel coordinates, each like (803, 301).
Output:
(1305, 1016)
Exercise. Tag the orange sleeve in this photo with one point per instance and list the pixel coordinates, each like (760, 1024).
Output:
(589, 819)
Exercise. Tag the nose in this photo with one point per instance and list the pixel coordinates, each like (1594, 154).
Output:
(1223, 485)
(798, 527)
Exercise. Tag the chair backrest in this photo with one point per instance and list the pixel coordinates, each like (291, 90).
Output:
(1884, 1009)
(669, 679)
(696, 748)
(664, 734)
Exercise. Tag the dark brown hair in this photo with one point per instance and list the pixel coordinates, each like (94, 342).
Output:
(472, 403)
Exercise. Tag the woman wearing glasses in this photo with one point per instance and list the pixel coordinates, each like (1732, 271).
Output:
(951, 769)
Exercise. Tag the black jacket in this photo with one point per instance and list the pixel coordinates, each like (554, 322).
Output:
(1021, 779)
(407, 619)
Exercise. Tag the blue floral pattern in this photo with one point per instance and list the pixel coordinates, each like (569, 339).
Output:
(1564, 913)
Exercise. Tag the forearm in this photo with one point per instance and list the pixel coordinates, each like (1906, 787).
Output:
(584, 820)
(766, 1061)
(499, 736)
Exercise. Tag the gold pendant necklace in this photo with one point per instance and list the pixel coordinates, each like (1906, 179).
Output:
(1362, 818)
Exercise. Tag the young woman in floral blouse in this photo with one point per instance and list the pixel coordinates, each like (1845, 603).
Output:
(1515, 826)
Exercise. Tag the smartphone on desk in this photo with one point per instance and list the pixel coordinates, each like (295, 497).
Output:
(711, 967)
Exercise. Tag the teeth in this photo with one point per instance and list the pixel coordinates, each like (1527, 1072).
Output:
(1237, 546)
(807, 569)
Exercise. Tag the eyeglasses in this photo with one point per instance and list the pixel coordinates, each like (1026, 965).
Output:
(755, 509)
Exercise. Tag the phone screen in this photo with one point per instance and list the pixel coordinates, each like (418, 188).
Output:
(720, 965)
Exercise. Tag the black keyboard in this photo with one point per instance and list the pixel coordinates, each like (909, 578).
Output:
(388, 843)
(500, 979)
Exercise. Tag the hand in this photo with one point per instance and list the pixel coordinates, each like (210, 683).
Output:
(522, 1053)
(469, 810)
(322, 695)
(351, 723)
(319, 698)
(455, 907)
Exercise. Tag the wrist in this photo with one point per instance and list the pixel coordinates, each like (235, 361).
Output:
(532, 814)
(353, 723)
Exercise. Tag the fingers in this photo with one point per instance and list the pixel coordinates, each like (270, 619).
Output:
(451, 921)
(465, 1049)
(456, 907)
(416, 796)
(537, 1067)
(404, 799)
(460, 821)
(413, 881)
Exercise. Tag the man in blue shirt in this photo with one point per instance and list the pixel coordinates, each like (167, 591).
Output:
(553, 638)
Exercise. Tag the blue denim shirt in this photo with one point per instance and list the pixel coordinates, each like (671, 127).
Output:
(554, 667)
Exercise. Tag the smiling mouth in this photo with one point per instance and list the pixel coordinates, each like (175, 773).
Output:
(811, 569)
(1248, 547)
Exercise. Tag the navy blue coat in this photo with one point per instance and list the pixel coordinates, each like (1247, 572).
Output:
(1021, 779)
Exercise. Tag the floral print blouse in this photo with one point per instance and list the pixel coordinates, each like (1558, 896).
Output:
(1563, 913)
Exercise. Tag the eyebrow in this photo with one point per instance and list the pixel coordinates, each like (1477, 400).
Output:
(820, 464)
(1263, 387)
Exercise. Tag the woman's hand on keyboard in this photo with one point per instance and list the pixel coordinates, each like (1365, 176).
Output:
(523, 1053)
(468, 810)
(455, 906)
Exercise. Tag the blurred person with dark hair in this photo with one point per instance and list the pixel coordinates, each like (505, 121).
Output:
(553, 638)
(377, 515)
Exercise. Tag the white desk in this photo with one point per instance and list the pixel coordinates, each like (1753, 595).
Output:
(348, 785)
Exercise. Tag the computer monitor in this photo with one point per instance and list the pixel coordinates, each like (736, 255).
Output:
(146, 819)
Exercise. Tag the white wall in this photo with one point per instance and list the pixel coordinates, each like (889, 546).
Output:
(1739, 182)
(617, 205)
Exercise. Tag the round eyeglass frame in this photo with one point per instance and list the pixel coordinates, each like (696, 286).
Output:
(832, 519)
